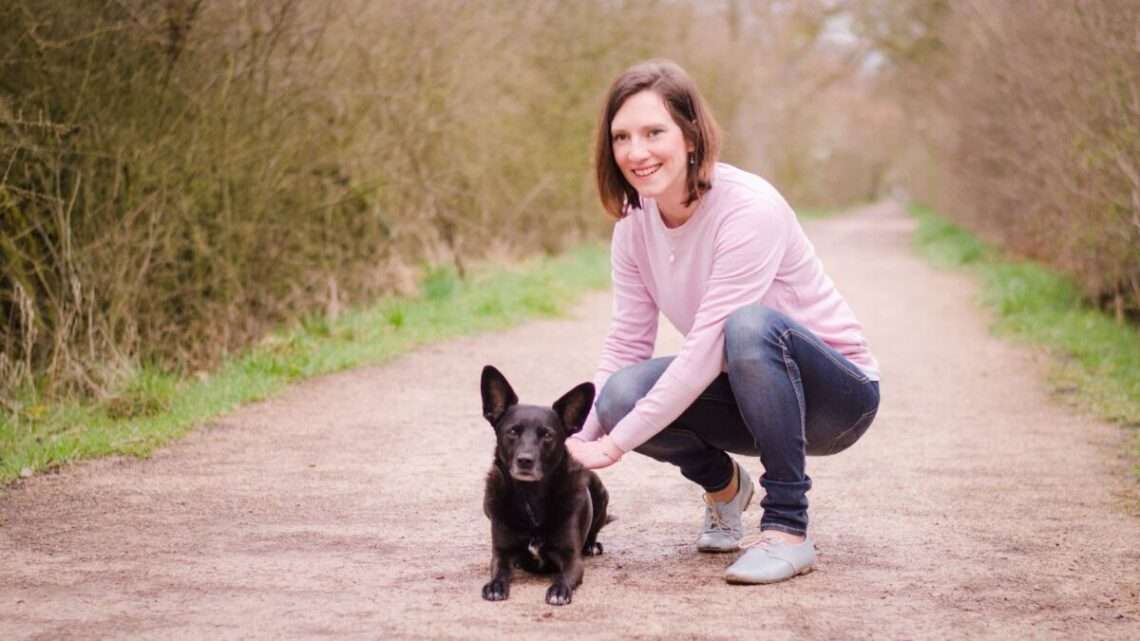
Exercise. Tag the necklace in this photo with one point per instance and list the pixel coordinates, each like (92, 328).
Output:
(668, 239)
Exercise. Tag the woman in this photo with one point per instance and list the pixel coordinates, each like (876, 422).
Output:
(774, 363)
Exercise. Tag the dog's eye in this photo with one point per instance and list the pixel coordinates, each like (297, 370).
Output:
(514, 432)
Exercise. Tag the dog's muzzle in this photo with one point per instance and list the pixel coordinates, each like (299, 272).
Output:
(523, 468)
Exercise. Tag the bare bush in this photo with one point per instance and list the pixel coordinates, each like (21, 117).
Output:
(181, 176)
(1031, 111)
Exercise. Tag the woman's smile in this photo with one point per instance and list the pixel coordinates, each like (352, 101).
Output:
(642, 172)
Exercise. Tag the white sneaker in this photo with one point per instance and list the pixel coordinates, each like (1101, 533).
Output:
(724, 524)
(770, 560)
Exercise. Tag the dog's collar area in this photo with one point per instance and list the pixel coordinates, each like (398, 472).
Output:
(530, 513)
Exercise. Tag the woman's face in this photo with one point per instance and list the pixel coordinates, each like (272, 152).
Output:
(650, 149)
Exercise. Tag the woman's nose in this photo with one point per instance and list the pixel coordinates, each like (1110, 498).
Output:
(637, 150)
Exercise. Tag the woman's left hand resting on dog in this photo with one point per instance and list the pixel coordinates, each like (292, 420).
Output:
(594, 454)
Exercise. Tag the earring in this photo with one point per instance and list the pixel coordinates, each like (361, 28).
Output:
(692, 159)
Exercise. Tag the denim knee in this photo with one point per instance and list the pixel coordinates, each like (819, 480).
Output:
(620, 393)
(748, 324)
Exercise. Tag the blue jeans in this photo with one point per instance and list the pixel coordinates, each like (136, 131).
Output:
(786, 394)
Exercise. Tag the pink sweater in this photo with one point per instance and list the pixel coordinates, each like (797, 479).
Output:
(742, 245)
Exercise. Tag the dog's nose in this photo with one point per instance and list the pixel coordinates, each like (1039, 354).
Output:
(524, 462)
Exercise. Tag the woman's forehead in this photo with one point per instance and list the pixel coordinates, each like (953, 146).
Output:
(639, 110)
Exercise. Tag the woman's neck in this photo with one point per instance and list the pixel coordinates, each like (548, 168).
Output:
(676, 213)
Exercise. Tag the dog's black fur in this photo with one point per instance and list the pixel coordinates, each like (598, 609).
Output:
(545, 508)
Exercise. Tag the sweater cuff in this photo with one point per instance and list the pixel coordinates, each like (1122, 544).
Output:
(626, 435)
(611, 449)
(591, 428)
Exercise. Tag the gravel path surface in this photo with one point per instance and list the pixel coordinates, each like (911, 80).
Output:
(349, 507)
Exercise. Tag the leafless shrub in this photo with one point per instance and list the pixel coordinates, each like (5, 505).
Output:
(180, 176)
(1031, 111)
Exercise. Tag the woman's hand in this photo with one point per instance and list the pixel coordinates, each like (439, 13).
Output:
(594, 454)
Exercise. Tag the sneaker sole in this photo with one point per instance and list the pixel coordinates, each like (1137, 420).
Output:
(739, 581)
(711, 549)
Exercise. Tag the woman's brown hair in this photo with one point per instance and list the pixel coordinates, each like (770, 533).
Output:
(688, 109)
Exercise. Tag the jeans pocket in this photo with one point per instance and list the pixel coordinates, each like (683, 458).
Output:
(847, 437)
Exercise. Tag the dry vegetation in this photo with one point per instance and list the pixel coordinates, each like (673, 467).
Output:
(1030, 116)
(180, 176)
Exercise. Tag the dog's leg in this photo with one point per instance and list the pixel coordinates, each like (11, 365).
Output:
(499, 588)
(600, 500)
(569, 576)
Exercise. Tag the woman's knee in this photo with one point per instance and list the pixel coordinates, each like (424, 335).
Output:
(748, 324)
(620, 393)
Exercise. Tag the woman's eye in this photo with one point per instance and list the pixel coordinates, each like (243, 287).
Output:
(656, 132)
(620, 137)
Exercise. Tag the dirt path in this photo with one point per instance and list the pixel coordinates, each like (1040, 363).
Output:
(349, 507)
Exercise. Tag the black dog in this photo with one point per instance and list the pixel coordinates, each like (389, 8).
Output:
(545, 508)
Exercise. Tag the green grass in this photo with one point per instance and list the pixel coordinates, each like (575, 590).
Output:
(1096, 360)
(155, 407)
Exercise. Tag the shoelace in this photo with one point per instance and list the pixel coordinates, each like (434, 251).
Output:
(714, 515)
(764, 539)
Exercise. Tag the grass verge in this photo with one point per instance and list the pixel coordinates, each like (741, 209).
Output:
(1096, 361)
(156, 407)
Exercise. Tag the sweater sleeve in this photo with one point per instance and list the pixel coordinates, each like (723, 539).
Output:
(748, 248)
(633, 323)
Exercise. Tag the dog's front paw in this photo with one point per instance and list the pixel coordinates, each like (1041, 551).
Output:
(497, 590)
(559, 594)
(592, 549)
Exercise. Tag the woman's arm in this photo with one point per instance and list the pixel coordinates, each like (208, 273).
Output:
(633, 323)
(749, 246)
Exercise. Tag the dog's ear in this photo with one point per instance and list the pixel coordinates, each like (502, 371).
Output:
(497, 395)
(574, 407)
